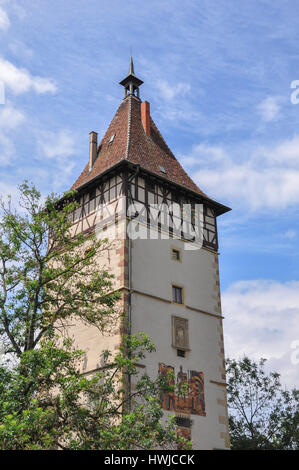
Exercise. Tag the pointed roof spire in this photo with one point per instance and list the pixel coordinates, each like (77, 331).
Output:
(131, 83)
(131, 68)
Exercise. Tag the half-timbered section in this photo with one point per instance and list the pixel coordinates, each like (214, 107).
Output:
(100, 203)
(156, 203)
(171, 209)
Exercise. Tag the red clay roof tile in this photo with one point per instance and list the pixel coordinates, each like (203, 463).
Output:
(131, 143)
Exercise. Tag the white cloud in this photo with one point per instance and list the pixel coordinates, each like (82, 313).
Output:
(19, 11)
(7, 149)
(261, 320)
(19, 49)
(7, 189)
(154, 75)
(169, 92)
(19, 80)
(10, 117)
(4, 20)
(56, 145)
(58, 148)
(253, 177)
(290, 234)
(269, 108)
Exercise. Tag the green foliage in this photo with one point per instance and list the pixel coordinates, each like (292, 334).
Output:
(262, 415)
(46, 275)
(46, 403)
(47, 278)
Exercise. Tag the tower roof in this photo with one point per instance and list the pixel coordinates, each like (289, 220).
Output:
(125, 139)
(129, 138)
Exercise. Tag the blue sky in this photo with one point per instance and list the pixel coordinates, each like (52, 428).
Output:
(218, 76)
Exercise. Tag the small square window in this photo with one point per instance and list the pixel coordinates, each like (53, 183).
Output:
(175, 255)
(177, 294)
(182, 421)
(180, 352)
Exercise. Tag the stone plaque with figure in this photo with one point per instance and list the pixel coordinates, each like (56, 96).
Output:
(180, 336)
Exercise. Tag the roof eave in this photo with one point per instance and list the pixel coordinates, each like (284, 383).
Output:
(220, 208)
(131, 78)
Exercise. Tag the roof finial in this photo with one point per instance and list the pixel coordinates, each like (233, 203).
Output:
(131, 68)
(131, 83)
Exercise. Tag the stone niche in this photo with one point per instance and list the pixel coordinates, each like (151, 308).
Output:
(180, 335)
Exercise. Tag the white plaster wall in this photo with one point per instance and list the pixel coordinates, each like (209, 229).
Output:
(153, 272)
(93, 343)
(89, 338)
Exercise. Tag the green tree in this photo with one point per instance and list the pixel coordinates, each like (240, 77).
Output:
(53, 406)
(47, 278)
(262, 415)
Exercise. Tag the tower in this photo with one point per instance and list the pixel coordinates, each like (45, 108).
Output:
(164, 256)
